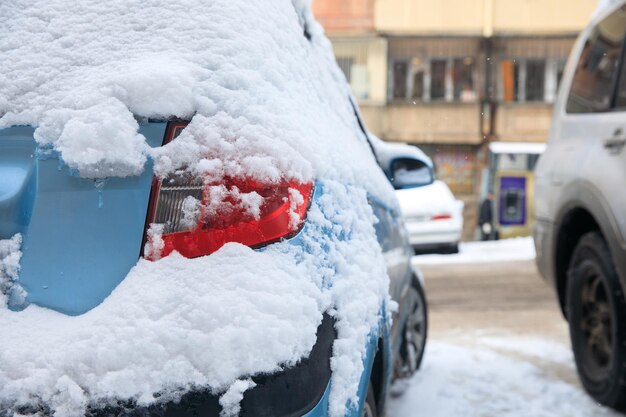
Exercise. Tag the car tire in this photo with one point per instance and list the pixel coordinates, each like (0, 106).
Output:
(454, 248)
(415, 333)
(596, 311)
(369, 408)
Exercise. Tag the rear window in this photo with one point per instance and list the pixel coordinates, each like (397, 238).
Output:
(596, 71)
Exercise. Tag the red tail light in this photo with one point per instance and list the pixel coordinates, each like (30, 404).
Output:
(197, 217)
(441, 217)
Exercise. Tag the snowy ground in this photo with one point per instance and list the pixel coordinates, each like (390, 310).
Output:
(495, 377)
(519, 249)
(498, 345)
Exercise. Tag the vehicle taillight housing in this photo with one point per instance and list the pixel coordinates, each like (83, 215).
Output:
(196, 216)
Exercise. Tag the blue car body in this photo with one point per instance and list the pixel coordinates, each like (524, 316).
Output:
(81, 237)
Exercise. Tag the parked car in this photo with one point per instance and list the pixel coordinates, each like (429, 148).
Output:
(433, 217)
(580, 232)
(192, 218)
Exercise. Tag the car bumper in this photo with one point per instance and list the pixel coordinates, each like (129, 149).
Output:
(433, 234)
(265, 400)
(301, 390)
(543, 237)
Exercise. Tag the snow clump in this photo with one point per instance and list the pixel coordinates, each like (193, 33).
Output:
(10, 256)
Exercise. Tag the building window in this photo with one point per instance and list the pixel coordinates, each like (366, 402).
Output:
(356, 73)
(419, 71)
(400, 73)
(437, 79)
(560, 69)
(345, 63)
(535, 80)
(529, 80)
(418, 84)
(463, 79)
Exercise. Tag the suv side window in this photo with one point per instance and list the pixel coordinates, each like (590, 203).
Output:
(597, 69)
(620, 95)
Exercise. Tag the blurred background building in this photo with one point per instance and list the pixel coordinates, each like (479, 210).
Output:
(471, 82)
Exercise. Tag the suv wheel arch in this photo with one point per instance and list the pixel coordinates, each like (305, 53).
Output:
(574, 221)
(574, 224)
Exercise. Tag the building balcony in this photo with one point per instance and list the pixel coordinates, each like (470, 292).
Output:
(425, 123)
(523, 122)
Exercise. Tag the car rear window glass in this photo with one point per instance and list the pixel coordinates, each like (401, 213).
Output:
(597, 68)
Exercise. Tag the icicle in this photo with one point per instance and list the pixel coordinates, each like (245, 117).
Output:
(100, 183)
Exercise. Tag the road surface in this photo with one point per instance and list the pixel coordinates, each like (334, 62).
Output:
(498, 346)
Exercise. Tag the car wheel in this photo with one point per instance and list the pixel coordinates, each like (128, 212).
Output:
(596, 311)
(454, 248)
(415, 334)
(369, 408)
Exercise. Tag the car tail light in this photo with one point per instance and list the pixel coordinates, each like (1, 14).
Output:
(441, 217)
(196, 217)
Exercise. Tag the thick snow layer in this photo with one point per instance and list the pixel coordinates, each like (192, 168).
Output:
(502, 377)
(10, 256)
(264, 102)
(506, 250)
(167, 326)
(177, 323)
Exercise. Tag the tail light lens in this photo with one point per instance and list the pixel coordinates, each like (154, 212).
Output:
(197, 217)
(441, 217)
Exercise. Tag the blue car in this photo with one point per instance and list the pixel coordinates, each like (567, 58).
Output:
(200, 272)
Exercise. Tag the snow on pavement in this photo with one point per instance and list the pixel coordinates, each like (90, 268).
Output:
(517, 249)
(501, 376)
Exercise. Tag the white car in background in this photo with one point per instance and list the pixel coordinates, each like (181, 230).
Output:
(433, 217)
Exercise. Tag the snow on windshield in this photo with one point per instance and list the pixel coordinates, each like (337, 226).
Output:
(264, 102)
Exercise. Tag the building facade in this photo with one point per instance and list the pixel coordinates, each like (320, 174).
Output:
(453, 76)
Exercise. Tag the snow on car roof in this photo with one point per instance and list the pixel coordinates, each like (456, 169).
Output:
(264, 101)
(388, 151)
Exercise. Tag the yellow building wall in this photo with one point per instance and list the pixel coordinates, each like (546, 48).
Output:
(528, 122)
(541, 16)
(482, 17)
(428, 16)
(432, 123)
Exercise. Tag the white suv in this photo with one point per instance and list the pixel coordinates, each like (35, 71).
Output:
(580, 233)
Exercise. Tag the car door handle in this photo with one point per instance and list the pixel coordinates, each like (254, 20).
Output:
(616, 143)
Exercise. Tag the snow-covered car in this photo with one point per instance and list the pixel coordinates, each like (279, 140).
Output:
(580, 229)
(433, 217)
(192, 218)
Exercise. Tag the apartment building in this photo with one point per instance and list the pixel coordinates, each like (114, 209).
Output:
(454, 76)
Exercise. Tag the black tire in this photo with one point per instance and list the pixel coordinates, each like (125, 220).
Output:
(415, 334)
(369, 408)
(596, 311)
(454, 248)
